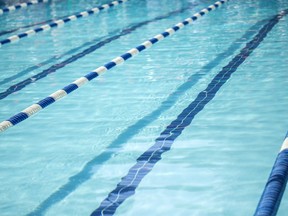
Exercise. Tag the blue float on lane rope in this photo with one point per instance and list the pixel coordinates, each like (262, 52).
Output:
(276, 184)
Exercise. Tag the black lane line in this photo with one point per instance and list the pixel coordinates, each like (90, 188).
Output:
(86, 173)
(78, 179)
(55, 67)
(52, 59)
(163, 143)
(30, 25)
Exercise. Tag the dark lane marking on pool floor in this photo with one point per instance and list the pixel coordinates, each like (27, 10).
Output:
(92, 42)
(30, 25)
(55, 67)
(149, 158)
(76, 180)
(86, 173)
(53, 59)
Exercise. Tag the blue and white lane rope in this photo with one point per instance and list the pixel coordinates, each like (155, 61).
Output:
(21, 5)
(276, 184)
(35, 108)
(59, 22)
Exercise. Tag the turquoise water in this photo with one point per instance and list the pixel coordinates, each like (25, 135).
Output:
(51, 164)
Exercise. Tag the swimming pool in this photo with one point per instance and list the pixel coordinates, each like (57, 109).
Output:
(69, 157)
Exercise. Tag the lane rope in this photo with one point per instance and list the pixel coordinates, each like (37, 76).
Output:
(35, 108)
(274, 189)
(20, 6)
(59, 22)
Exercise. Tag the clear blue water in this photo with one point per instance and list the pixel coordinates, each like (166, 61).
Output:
(50, 164)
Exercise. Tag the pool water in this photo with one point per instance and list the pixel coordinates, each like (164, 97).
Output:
(67, 159)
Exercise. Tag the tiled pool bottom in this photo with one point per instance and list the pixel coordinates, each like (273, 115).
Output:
(67, 158)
